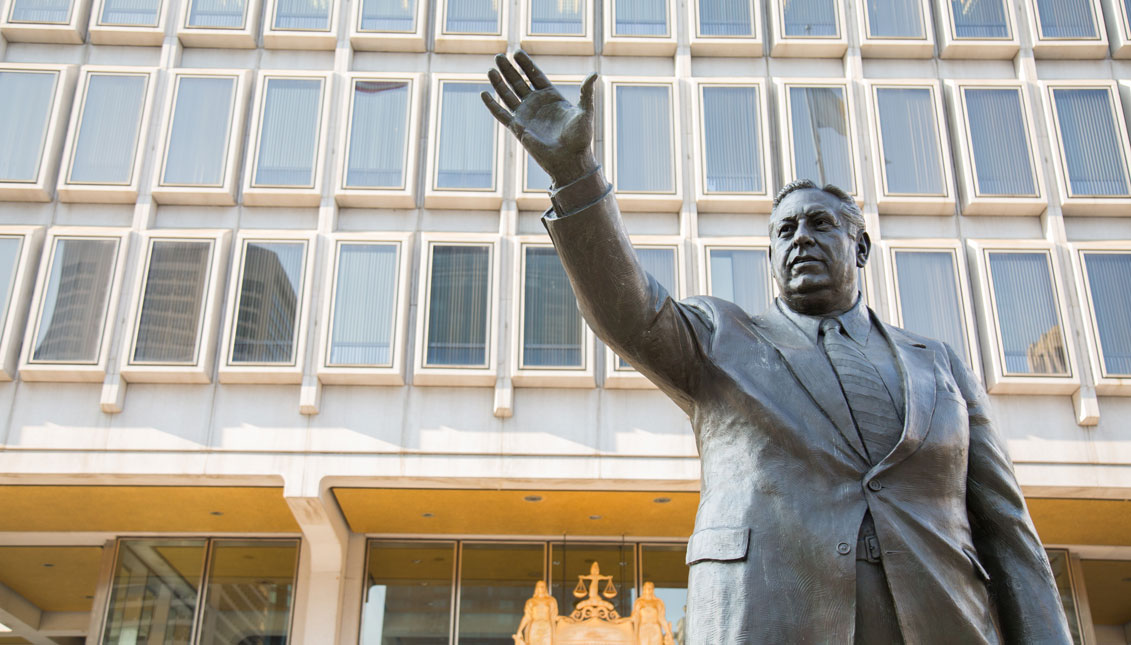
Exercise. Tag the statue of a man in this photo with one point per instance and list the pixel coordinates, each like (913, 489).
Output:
(854, 488)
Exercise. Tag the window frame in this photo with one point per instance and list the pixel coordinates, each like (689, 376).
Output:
(539, 199)
(1087, 205)
(223, 194)
(307, 39)
(890, 247)
(71, 32)
(997, 381)
(725, 45)
(109, 34)
(460, 198)
(1119, 22)
(889, 47)
(1106, 384)
(629, 378)
(1073, 48)
(971, 202)
(390, 41)
(613, 45)
(729, 202)
(910, 203)
(783, 85)
(267, 373)
(106, 193)
(13, 319)
(579, 45)
(62, 98)
(704, 246)
(811, 47)
(286, 195)
(639, 200)
(200, 371)
(95, 371)
(393, 374)
(951, 46)
(244, 37)
(465, 43)
(404, 197)
(554, 376)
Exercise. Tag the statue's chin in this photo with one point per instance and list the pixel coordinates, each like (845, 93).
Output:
(816, 300)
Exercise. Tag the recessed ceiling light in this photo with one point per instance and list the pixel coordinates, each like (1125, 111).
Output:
(48, 564)
(426, 515)
(532, 498)
(217, 513)
(662, 500)
(594, 517)
(417, 561)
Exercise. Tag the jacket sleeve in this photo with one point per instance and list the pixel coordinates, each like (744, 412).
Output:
(627, 308)
(1021, 581)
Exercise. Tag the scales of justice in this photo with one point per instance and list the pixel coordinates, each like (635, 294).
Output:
(594, 620)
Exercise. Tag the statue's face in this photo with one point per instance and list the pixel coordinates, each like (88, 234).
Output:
(814, 253)
(648, 591)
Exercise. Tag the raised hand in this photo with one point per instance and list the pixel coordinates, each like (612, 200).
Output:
(557, 134)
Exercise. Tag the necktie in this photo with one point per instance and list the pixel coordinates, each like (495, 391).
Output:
(877, 418)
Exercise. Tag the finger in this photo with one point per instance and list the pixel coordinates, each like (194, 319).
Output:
(586, 102)
(503, 90)
(497, 110)
(512, 75)
(537, 77)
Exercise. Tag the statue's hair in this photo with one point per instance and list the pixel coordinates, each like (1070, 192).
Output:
(848, 206)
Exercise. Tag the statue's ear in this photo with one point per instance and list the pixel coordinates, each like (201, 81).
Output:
(863, 248)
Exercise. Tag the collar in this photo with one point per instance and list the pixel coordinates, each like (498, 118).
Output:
(855, 321)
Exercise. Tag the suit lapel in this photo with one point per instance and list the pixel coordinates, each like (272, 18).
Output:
(917, 366)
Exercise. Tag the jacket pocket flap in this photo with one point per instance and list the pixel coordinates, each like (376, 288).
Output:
(978, 568)
(721, 545)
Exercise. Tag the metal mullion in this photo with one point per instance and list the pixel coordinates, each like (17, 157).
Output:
(453, 616)
(201, 594)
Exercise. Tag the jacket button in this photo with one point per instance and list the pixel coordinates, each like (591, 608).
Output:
(874, 485)
(843, 548)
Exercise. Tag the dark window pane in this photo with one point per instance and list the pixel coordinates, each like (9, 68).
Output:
(495, 582)
(74, 304)
(458, 305)
(169, 321)
(408, 593)
(267, 316)
(250, 587)
(570, 560)
(154, 593)
(552, 327)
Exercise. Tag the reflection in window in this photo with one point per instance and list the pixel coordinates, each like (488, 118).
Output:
(249, 592)
(928, 297)
(999, 142)
(267, 313)
(74, 303)
(288, 134)
(570, 560)
(466, 149)
(388, 15)
(458, 305)
(168, 326)
(216, 14)
(378, 134)
(41, 11)
(663, 566)
(979, 19)
(1028, 321)
(155, 589)
(557, 18)
(132, 13)
(640, 17)
(910, 139)
(536, 178)
(659, 262)
(9, 262)
(732, 140)
(408, 593)
(471, 17)
(109, 129)
(25, 110)
(644, 139)
(365, 293)
(552, 330)
(895, 18)
(821, 148)
(1108, 275)
(1066, 18)
(303, 15)
(809, 18)
(495, 582)
(1058, 559)
(198, 134)
(741, 276)
(725, 18)
(1095, 159)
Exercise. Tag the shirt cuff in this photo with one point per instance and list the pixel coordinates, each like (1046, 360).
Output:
(580, 194)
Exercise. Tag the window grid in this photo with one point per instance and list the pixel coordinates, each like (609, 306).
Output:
(459, 173)
(725, 27)
(1101, 270)
(827, 107)
(1093, 170)
(808, 28)
(217, 186)
(657, 100)
(29, 123)
(288, 146)
(391, 101)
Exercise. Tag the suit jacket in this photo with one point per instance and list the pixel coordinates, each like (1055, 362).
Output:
(785, 480)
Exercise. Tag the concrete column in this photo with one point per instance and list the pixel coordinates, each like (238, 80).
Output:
(321, 575)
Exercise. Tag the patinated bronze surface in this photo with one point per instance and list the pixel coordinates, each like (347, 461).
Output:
(816, 524)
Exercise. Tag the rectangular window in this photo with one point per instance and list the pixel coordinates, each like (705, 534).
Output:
(109, 128)
(25, 114)
(130, 13)
(198, 138)
(557, 17)
(471, 17)
(979, 19)
(289, 132)
(570, 560)
(999, 144)
(495, 580)
(536, 179)
(742, 276)
(302, 15)
(408, 593)
(664, 565)
(1092, 144)
(644, 153)
(216, 14)
(1061, 19)
(809, 19)
(378, 134)
(161, 579)
(732, 139)
(10, 251)
(911, 147)
(459, 301)
(364, 308)
(660, 263)
(640, 17)
(398, 16)
(822, 146)
(268, 302)
(74, 305)
(248, 592)
(928, 297)
(725, 18)
(170, 318)
(465, 153)
(552, 329)
(895, 19)
(1030, 331)
(1107, 274)
(52, 12)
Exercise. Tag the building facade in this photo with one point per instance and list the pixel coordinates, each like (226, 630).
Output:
(288, 356)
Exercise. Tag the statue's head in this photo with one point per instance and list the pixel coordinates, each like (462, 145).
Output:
(540, 588)
(817, 242)
(648, 590)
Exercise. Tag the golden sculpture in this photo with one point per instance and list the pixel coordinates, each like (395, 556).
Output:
(538, 618)
(649, 619)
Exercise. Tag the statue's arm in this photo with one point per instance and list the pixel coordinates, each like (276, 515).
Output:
(1021, 580)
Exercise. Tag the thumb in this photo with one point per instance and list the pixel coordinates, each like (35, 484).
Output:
(586, 102)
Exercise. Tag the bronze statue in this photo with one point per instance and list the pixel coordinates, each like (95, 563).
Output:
(854, 488)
